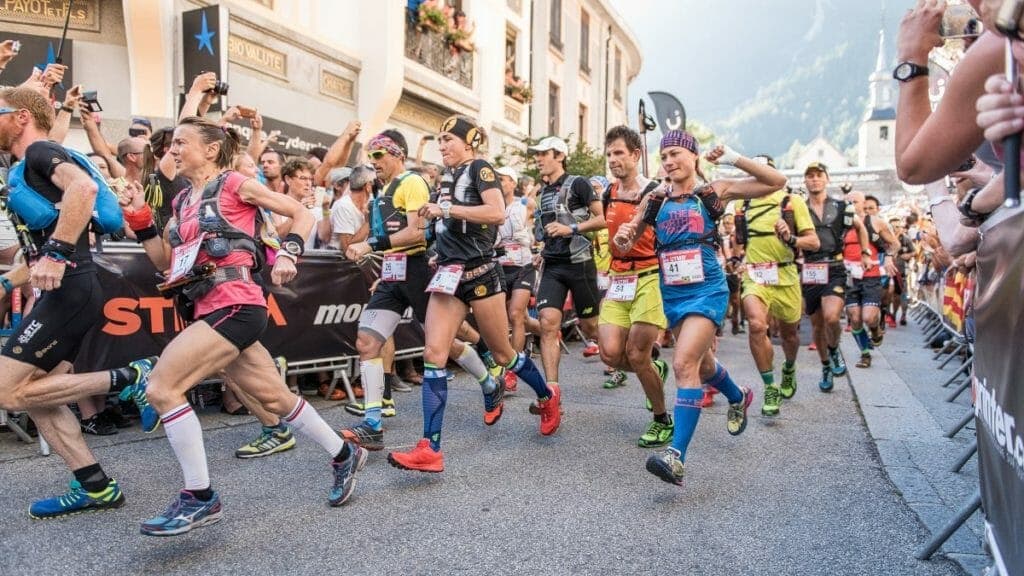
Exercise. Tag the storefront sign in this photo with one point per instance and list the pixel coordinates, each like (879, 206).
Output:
(85, 14)
(258, 57)
(336, 87)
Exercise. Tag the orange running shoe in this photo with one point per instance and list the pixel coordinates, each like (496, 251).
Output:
(709, 397)
(511, 382)
(422, 458)
(494, 404)
(551, 411)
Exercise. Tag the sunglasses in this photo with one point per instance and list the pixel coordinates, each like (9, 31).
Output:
(7, 110)
(377, 154)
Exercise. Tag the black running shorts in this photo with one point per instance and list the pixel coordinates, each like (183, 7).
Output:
(240, 324)
(813, 293)
(559, 279)
(520, 278)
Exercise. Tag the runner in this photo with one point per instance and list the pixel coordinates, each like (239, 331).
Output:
(631, 314)
(823, 277)
(774, 228)
(567, 209)
(733, 253)
(212, 261)
(693, 286)
(468, 212)
(864, 281)
(397, 231)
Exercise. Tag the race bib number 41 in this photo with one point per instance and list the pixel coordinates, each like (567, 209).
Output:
(446, 279)
(681, 267)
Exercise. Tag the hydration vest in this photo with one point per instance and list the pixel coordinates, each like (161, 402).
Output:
(742, 220)
(580, 248)
(831, 229)
(38, 213)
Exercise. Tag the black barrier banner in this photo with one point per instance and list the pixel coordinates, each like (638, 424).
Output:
(314, 317)
(999, 391)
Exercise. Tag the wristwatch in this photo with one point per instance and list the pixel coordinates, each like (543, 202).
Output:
(446, 208)
(292, 247)
(906, 71)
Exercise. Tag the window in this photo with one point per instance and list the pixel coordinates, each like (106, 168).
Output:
(883, 133)
(618, 74)
(585, 42)
(553, 110)
(581, 123)
(556, 24)
(510, 48)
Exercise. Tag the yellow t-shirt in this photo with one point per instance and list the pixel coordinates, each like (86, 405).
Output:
(762, 243)
(411, 194)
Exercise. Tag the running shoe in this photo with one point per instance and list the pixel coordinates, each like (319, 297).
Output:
(98, 426)
(136, 392)
(877, 337)
(616, 380)
(891, 321)
(736, 415)
(183, 514)
(667, 466)
(494, 403)
(551, 411)
(772, 400)
(591, 349)
(397, 384)
(345, 475)
(657, 434)
(77, 500)
(865, 361)
(827, 379)
(387, 408)
(270, 441)
(365, 436)
(837, 361)
(511, 382)
(422, 458)
(788, 386)
(708, 400)
(813, 346)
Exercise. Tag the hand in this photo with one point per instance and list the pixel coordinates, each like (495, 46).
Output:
(256, 122)
(272, 137)
(979, 175)
(357, 251)
(352, 130)
(53, 74)
(230, 115)
(134, 197)
(919, 32)
(73, 96)
(1000, 109)
(624, 236)
(7, 52)
(866, 262)
(432, 262)
(284, 271)
(782, 230)
(722, 154)
(35, 82)
(890, 267)
(88, 120)
(430, 211)
(971, 260)
(537, 261)
(47, 274)
(203, 82)
(373, 287)
(556, 230)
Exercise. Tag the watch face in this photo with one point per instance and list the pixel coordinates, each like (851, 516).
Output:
(291, 247)
(902, 71)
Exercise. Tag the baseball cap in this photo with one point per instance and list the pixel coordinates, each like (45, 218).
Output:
(142, 122)
(816, 166)
(550, 143)
(338, 175)
(508, 171)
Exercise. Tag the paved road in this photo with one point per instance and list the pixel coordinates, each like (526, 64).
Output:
(802, 494)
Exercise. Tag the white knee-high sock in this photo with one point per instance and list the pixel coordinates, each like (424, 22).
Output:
(472, 363)
(306, 421)
(186, 437)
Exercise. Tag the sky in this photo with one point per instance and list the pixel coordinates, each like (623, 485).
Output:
(737, 64)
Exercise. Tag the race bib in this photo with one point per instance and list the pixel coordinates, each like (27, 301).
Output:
(856, 270)
(603, 281)
(393, 268)
(681, 267)
(446, 279)
(815, 273)
(513, 255)
(766, 274)
(183, 258)
(622, 288)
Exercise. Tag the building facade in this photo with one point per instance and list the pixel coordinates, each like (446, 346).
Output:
(311, 66)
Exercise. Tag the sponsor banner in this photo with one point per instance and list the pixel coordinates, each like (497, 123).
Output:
(999, 396)
(316, 316)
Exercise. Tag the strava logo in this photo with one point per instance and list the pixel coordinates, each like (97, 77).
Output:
(128, 316)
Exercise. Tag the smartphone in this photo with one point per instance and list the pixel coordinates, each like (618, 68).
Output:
(16, 47)
(91, 100)
(960, 21)
(246, 112)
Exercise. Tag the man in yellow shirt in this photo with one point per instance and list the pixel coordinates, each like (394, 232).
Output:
(774, 228)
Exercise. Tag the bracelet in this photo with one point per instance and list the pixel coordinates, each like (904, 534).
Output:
(64, 249)
(6, 284)
(965, 207)
(791, 242)
(282, 253)
(575, 228)
(379, 243)
(59, 259)
(66, 108)
(146, 233)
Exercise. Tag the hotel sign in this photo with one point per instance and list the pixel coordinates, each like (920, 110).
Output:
(258, 57)
(85, 14)
(336, 86)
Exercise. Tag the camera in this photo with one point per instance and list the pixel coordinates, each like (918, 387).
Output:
(1010, 18)
(91, 101)
(960, 21)
(219, 88)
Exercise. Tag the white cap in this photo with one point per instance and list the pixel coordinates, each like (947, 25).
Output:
(338, 174)
(508, 171)
(551, 143)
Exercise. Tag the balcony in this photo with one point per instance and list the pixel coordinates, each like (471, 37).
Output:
(430, 46)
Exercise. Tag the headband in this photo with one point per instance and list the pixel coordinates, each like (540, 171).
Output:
(465, 129)
(680, 138)
(382, 142)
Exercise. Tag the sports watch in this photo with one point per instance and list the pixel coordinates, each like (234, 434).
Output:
(906, 71)
(446, 208)
(292, 244)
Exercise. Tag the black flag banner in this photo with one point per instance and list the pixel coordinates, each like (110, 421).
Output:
(670, 112)
(999, 395)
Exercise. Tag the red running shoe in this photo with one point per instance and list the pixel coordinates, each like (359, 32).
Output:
(890, 321)
(709, 398)
(591, 349)
(551, 411)
(511, 382)
(813, 346)
(422, 458)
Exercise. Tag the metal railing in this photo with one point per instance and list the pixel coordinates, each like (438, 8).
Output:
(432, 49)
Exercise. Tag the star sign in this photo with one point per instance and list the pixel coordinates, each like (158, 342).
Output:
(205, 36)
(51, 58)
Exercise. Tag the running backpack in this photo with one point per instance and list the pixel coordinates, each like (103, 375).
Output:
(38, 213)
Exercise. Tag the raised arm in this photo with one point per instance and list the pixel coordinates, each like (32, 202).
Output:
(338, 153)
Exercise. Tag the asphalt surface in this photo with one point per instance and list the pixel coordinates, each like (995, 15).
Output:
(802, 494)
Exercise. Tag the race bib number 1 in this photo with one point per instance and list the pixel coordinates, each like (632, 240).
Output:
(815, 273)
(393, 268)
(183, 258)
(681, 267)
(766, 274)
(622, 289)
(446, 279)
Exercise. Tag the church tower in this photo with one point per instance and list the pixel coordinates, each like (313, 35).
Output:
(876, 145)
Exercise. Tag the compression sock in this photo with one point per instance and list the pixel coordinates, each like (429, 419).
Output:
(305, 420)
(686, 412)
(724, 383)
(527, 370)
(435, 397)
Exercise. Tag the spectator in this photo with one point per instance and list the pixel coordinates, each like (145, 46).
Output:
(271, 162)
(338, 181)
(141, 127)
(349, 222)
(298, 183)
(315, 156)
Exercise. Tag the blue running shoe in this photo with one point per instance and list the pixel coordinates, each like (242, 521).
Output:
(78, 500)
(345, 475)
(837, 361)
(827, 379)
(183, 514)
(136, 392)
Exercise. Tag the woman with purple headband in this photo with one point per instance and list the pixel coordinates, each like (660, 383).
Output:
(684, 213)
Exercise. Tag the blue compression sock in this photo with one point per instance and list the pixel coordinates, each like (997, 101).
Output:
(723, 382)
(686, 412)
(527, 370)
(435, 396)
